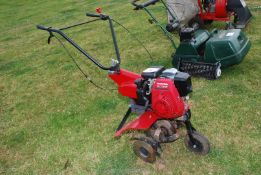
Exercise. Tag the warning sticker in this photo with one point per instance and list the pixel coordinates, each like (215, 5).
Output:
(162, 85)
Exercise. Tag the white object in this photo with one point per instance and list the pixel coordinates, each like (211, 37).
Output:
(172, 70)
(152, 69)
(230, 34)
(243, 3)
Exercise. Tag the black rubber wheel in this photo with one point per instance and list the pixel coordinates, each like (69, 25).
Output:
(145, 151)
(200, 145)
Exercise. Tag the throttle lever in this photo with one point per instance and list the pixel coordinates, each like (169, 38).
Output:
(48, 29)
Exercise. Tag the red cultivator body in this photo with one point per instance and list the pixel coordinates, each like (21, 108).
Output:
(223, 10)
(158, 96)
(163, 101)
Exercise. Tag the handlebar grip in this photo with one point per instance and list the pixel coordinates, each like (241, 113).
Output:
(42, 27)
(93, 15)
(101, 16)
(150, 3)
(146, 4)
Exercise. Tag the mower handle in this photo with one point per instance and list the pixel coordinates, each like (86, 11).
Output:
(49, 29)
(143, 5)
(60, 32)
(93, 15)
(41, 27)
(101, 16)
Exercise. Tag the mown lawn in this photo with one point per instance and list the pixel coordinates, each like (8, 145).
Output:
(53, 121)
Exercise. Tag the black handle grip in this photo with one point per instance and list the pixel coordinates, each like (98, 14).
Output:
(151, 2)
(141, 6)
(42, 27)
(101, 16)
(93, 15)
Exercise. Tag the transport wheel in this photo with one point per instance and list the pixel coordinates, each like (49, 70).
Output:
(145, 151)
(218, 73)
(199, 144)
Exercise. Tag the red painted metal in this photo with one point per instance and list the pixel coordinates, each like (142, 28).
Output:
(125, 81)
(166, 102)
(200, 7)
(220, 14)
(221, 9)
(143, 122)
(99, 10)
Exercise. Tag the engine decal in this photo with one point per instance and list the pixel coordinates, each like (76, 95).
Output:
(162, 85)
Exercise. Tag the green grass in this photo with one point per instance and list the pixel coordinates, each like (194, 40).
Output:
(53, 121)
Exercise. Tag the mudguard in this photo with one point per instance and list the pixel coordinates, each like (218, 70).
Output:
(143, 122)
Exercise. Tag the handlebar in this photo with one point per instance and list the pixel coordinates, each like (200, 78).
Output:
(93, 15)
(102, 17)
(49, 29)
(143, 5)
(42, 27)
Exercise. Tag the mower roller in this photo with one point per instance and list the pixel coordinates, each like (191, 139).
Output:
(158, 96)
(203, 53)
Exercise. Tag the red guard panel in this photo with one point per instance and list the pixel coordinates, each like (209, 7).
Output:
(125, 81)
(141, 123)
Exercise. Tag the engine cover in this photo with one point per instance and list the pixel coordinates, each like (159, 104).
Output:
(182, 80)
(166, 102)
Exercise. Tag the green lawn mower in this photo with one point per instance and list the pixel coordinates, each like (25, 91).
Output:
(203, 53)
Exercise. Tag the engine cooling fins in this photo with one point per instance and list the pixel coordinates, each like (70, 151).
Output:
(210, 71)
